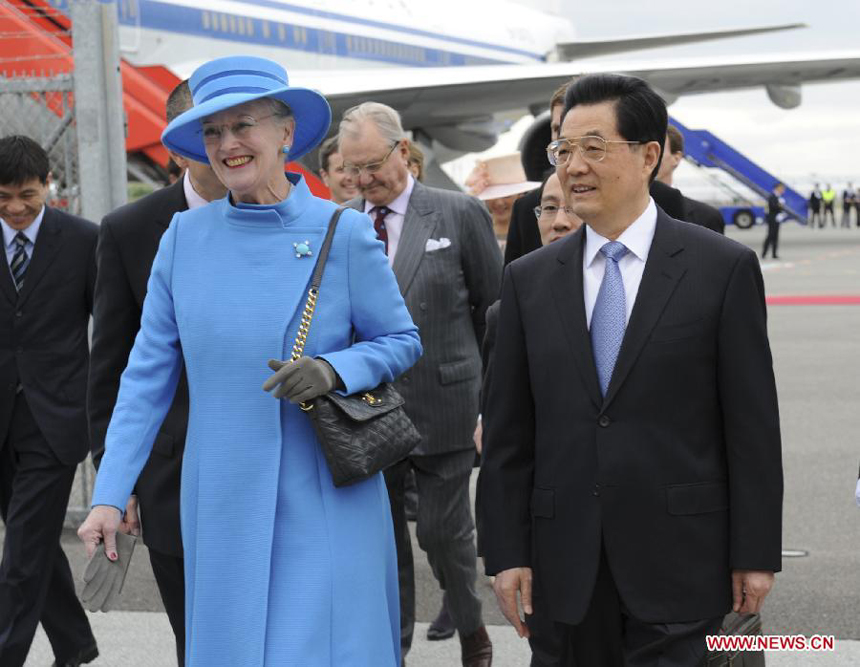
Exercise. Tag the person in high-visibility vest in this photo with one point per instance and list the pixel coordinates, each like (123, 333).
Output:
(828, 196)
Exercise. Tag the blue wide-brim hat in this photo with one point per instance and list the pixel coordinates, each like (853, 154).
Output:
(227, 82)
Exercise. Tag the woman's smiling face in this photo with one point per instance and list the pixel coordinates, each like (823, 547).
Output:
(244, 145)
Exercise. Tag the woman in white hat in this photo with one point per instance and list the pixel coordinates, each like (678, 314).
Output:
(282, 568)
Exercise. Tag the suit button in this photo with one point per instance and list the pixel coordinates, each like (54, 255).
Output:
(596, 491)
(604, 421)
(422, 305)
(19, 313)
(405, 378)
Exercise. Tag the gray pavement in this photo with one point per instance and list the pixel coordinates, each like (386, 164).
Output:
(817, 360)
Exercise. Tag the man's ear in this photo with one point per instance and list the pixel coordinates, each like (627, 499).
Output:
(652, 156)
(180, 161)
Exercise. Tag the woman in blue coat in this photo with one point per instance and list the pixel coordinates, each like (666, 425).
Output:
(281, 567)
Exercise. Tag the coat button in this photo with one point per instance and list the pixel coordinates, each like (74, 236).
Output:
(596, 491)
(604, 421)
(422, 305)
(19, 313)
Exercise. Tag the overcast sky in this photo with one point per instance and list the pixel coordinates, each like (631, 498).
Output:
(818, 141)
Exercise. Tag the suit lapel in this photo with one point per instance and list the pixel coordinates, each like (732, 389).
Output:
(6, 284)
(567, 290)
(47, 246)
(663, 271)
(418, 226)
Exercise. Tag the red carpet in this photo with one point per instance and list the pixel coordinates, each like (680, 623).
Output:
(815, 300)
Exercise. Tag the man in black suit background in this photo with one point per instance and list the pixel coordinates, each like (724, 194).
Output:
(46, 296)
(128, 241)
(697, 212)
(775, 206)
(632, 450)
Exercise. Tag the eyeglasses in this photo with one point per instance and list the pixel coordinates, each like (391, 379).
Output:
(355, 170)
(240, 128)
(591, 148)
(551, 211)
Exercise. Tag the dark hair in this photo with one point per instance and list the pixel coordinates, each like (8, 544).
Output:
(179, 101)
(22, 160)
(640, 113)
(328, 148)
(676, 139)
(173, 169)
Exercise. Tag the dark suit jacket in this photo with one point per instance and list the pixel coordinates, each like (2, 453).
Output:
(43, 333)
(677, 470)
(128, 241)
(447, 292)
(523, 232)
(700, 213)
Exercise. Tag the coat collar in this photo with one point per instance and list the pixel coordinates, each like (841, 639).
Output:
(663, 271)
(418, 225)
(46, 248)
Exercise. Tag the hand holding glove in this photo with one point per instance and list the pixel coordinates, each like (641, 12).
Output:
(104, 578)
(301, 380)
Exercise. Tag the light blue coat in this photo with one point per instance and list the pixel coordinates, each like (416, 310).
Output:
(281, 567)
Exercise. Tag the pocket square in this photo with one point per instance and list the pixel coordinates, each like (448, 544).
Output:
(434, 244)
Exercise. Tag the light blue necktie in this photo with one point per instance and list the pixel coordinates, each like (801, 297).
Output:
(608, 320)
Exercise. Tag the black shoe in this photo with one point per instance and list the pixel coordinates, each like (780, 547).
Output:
(82, 657)
(442, 626)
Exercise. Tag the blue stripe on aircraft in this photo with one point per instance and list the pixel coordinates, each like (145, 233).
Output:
(197, 22)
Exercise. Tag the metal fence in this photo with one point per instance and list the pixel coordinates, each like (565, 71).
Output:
(42, 108)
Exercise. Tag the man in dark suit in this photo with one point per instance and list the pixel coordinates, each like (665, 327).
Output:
(448, 265)
(697, 212)
(631, 461)
(45, 306)
(128, 241)
(774, 209)
(523, 233)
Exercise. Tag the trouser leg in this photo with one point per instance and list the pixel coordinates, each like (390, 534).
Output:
(35, 579)
(395, 478)
(447, 533)
(169, 574)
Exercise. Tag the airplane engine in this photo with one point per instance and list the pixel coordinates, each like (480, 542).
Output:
(785, 97)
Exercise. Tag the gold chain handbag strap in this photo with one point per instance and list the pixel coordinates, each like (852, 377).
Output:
(304, 327)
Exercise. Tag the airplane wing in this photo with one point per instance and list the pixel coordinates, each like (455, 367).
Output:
(455, 105)
(589, 48)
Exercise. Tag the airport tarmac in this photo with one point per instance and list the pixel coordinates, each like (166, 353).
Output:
(816, 352)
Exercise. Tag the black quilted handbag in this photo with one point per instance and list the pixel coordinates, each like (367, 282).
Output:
(360, 434)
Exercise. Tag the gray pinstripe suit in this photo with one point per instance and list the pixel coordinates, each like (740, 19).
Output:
(447, 292)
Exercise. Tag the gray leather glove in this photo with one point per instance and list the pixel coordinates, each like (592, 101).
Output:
(104, 578)
(301, 380)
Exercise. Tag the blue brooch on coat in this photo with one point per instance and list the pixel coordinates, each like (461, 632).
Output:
(303, 249)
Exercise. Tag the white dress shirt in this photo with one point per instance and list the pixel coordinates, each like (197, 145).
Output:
(31, 233)
(394, 220)
(193, 199)
(637, 239)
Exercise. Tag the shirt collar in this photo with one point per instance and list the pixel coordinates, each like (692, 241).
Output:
(636, 238)
(400, 203)
(192, 198)
(31, 232)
